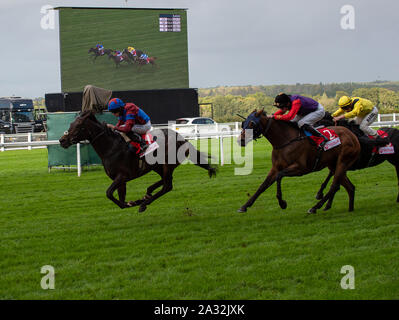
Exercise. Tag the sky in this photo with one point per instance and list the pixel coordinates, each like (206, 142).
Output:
(230, 42)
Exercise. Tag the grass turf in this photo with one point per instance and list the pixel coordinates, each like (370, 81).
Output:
(191, 243)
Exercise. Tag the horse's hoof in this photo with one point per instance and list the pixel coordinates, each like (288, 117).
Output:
(312, 210)
(319, 196)
(327, 208)
(241, 210)
(142, 208)
(283, 204)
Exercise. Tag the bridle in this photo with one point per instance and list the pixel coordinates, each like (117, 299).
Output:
(76, 140)
(257, 128)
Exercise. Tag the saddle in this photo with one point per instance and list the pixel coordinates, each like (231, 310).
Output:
(139, 142)
(333, 139)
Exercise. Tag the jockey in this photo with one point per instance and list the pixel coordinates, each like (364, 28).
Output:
(144, 57)
(132, 50)
(302, 110)
(100, 48)
(131, 120)
(364, 111)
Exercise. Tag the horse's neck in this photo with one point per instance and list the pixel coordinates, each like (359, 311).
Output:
(100, 140)
(280, 133)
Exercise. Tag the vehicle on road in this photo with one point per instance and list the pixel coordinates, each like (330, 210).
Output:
(16, 115)
(200, 125)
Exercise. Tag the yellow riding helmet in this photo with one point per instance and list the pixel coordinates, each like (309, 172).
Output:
(344, 101)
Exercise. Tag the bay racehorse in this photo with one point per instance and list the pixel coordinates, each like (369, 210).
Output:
(119, 60)
(122, 166)
(151, 60)
(366, 158)
(294, 155)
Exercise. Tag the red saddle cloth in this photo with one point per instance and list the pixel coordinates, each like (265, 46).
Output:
(330, 134)
(382, 134)
(147, 138)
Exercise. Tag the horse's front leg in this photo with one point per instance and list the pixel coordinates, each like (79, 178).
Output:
(118, 183)
(271, 177)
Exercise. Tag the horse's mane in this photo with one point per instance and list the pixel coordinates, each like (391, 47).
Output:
(108, 131)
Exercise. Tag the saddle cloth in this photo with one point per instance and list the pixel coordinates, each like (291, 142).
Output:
(388, 149)
(333, 138)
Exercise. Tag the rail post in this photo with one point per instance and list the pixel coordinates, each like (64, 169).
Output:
(2, 141)
(78, 164)
(221, 149)
(29, 140)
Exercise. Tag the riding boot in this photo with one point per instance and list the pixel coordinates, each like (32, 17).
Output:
(316, 133)
(137, 138)
(382, 141)
(132, 149)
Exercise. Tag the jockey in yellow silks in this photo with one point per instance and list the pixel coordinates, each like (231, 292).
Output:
(364, 111)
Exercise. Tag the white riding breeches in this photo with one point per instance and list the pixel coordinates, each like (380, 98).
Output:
(142, 128)
(310, 118)
(365, 122)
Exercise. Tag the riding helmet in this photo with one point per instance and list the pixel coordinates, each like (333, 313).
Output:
(115, 104)
(344, 101)
(282, 100)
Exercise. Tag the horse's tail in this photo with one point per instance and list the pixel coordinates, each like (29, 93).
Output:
(202, 160)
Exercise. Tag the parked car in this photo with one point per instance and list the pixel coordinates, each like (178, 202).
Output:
(200, 125)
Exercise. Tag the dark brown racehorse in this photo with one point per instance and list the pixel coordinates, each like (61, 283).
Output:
(294, 155)
(122, 166)
(366, 158)
(132, 57)
(97, 53)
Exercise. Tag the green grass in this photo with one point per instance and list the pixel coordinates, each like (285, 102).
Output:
(191, 243)
(118, 29)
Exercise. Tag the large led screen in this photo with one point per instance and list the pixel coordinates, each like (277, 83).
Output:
(123, 49)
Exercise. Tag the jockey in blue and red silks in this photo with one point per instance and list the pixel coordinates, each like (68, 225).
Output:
(100, 49)
(132, 120)
(302, 110)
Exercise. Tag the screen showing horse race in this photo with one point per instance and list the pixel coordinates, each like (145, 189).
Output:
(123, 49)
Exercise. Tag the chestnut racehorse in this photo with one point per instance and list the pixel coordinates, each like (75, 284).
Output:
(295, 155)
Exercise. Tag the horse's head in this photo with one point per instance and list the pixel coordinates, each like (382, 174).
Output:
(78, 130)
(252, 127)
(92, 50)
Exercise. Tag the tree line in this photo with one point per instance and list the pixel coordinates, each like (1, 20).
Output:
(228, 101)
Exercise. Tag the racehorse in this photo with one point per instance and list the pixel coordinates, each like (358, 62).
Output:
(98, 54)
(294, 155)
(151, 60)
(119, 60)
(132, 57)
(366, 158)
(122, 166)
